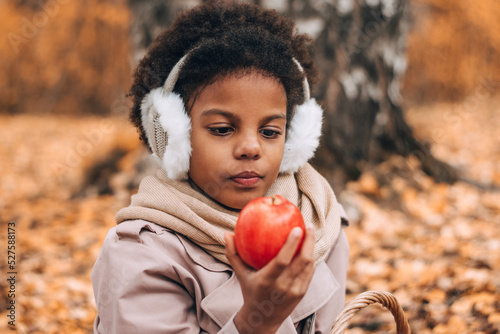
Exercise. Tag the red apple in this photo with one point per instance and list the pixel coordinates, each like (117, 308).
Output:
(262, 229)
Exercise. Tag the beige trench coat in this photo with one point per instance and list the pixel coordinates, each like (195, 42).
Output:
(148, 279)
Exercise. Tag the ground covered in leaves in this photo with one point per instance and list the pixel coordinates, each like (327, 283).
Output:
(435, 246)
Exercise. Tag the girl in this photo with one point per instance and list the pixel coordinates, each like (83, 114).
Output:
(221, 99)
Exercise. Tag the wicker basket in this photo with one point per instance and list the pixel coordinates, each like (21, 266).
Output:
(370, 297)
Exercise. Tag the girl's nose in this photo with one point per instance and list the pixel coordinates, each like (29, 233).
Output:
(248, 148)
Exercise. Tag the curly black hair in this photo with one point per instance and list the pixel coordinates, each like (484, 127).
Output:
(224, 38)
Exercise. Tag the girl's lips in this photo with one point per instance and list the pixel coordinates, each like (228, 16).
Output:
(246, 181)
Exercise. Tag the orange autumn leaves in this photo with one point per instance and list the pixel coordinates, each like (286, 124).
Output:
(434, 246)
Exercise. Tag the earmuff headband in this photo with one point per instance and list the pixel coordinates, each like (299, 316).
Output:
(168, 128)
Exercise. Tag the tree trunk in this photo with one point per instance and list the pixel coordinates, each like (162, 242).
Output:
(359, 50)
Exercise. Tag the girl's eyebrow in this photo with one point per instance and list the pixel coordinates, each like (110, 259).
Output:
(224, 113)
(275, 116)
(230, 115)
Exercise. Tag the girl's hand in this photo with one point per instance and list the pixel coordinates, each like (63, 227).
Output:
(271, 293)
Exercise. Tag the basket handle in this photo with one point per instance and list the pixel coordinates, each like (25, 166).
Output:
(370, 297)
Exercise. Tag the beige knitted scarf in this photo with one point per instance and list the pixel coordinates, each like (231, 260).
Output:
(180, 207)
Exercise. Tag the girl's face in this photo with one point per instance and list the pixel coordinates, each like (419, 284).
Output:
(238, 137)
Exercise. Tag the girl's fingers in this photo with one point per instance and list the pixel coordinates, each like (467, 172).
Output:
(286, 253)
(309, 241)
(302, 266)
(239, 267)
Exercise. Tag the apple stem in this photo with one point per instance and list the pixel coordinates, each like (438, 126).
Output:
(275, 200)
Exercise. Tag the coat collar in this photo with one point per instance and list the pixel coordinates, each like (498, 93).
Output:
(200, 257)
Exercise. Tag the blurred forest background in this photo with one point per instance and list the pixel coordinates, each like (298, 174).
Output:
(70, 160)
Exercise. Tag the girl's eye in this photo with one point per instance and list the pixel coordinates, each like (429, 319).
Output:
(270, 134)
(221, 131)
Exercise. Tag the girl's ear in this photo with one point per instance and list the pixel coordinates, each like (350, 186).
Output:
(168, 128)
(303, 136)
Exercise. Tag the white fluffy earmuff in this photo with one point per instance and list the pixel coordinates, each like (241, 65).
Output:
(168, 128)
(304, 132)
